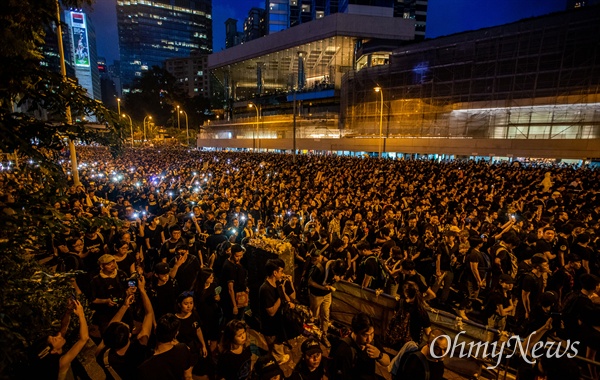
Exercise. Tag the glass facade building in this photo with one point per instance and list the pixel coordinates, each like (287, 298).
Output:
(532, 79)
(152, 31)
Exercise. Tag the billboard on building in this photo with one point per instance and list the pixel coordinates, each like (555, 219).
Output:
(80, 39)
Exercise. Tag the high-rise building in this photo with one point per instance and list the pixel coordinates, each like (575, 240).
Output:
(152, 31)
(416, 10)
(254, 24)
(191, 74)
(232, 36)
(282, 14)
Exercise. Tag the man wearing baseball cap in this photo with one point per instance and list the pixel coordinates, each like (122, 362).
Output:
(311, 366)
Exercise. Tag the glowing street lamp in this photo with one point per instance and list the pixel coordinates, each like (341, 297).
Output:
(119, 106)
(147, 117)
(187, 129)
(178, 118)
(380, 91)
(250, 105)
(130, 127)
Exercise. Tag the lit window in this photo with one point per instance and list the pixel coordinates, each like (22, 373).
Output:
(305, 8)
(200, 73)
(320, 14)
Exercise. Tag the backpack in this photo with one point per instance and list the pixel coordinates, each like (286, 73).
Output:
(398, 363)
(336, 342)
(382, 275)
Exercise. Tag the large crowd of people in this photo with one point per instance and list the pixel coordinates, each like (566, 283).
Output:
(158, 237)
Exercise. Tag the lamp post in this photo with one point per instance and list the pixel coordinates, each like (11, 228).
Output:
(130, 127)
(147, 117)
(187, 129)
(63, 71)
(250, 105)
(178, 118)
(119, 106)
(380, 91)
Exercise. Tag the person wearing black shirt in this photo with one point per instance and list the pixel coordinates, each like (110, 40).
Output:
(410, 321)
(235, 360)
(120, 353)
(164, 291)
(184, 268)
(272, 297)
(169, 248)
(532, 286)
(499, 305)
(415, 368)
(171, 360)
(320, 286)
(311, 366)
(368, 272)
(357, 358)
(445, 257)
(234, 278)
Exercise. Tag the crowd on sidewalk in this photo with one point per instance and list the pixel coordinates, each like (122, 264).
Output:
(159, 235)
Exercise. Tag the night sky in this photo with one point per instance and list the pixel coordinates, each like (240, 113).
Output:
(443, 17)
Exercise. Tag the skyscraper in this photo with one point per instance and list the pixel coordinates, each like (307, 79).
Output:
(152, 31)
(282, 14)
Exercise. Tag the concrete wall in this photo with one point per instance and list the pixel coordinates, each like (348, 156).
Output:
(561, 148)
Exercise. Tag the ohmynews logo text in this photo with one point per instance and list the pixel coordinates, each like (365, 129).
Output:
(495, 351)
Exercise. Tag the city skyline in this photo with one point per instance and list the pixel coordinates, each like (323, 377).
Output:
(444, 18)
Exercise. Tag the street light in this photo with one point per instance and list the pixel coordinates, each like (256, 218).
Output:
(250, 105)
(63, 71)
(380, 91)
(178, 118)
(147, 117)
(187, 129)
(119, 106)
(130, 127)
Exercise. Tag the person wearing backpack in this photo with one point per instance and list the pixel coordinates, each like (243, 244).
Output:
(425, 363)
(371, 273)
(357, 357)
(530, 287)
(503, 260)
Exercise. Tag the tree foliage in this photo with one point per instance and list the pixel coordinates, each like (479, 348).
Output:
(156, 94)
(33, 123)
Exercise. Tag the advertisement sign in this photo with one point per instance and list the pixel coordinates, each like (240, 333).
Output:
(80, 39)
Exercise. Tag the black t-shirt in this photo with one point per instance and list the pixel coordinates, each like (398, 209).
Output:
(163, 297)
(125, 365)
(267, 296)
(497, 297)
(169, 365)
(369, 265)
(213, 241)
(188, 331)
(415, 370)
(413, 248)
(353, 363)
(169, 248)
(232, 366)
(317, 274)
(186, 273)
(236, 273)
(475, 257)
(534, 285)
(154, 236)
